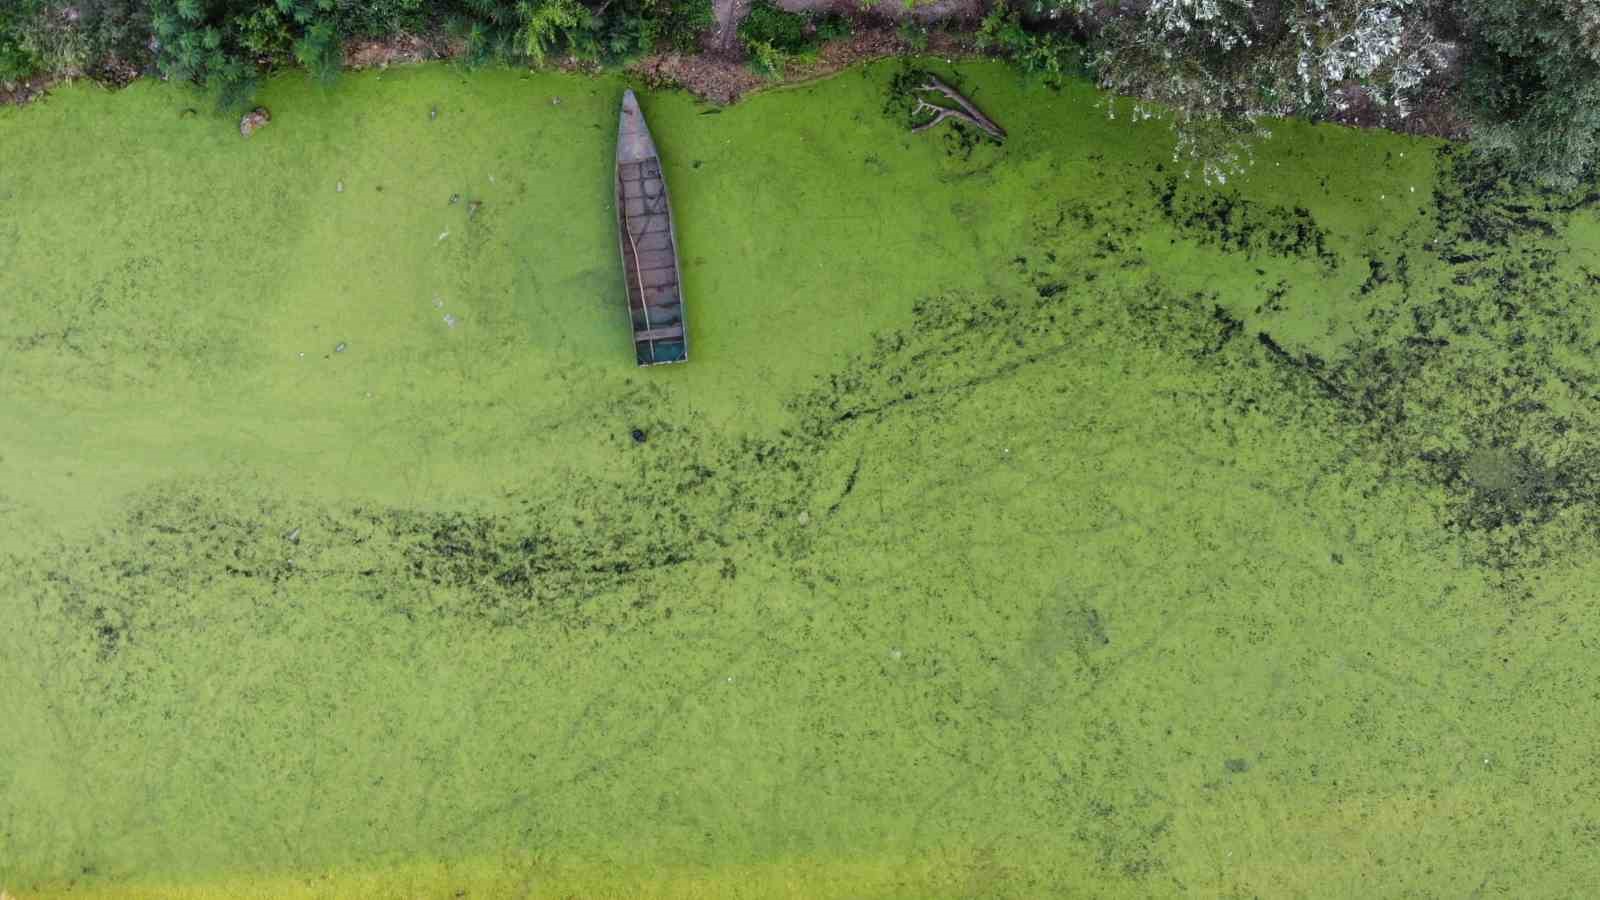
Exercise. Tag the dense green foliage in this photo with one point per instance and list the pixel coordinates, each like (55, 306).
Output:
(1048, 54)
(16, 59)
(773, 37)
(226, 46)
(1534, 86)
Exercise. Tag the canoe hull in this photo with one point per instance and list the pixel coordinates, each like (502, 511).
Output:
(649, 244)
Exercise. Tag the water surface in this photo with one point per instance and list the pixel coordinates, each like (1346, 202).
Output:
(1031, 520)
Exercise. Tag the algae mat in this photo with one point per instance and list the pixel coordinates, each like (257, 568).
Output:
(1032, 521)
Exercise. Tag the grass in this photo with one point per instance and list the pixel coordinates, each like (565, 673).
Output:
(1030, 521)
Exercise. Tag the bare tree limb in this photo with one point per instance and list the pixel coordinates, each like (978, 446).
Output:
(940, 113)
(967, 112)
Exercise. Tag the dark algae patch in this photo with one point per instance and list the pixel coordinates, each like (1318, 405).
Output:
(1034, 524)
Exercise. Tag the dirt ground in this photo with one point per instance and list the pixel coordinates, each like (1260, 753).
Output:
(28, 89)
(405, 48)
(724, 78)
(894, 10)
(729, 13)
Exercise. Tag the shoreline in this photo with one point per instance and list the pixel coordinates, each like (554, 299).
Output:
(710, 76)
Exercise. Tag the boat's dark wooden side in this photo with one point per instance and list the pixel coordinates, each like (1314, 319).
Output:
(649, 244)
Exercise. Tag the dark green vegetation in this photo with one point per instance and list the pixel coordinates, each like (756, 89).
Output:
(773, 37)
(1050, 54)
(1032, 522)
(227, 46)
(1534, 84)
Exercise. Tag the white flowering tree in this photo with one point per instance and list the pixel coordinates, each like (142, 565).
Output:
(1221, 66)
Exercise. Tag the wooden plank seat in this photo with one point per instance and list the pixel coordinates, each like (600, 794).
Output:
(659, 334)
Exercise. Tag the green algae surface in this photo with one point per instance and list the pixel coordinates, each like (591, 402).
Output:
(1031, 520)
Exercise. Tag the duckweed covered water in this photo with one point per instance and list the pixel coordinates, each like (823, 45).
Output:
(1031, 521)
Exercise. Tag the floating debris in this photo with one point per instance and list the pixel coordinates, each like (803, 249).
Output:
(438, 302)
(473, 207)
(338, 186)
(340, 347)
(555, 101)
(433, 113)
(638, 436)
(444, 234)
(450, 320)
(454, 199)
(252, 120)
(293, 536)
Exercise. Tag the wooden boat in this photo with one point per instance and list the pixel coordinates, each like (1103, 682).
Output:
(649, 244)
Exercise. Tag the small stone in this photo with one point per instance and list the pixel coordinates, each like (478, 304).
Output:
(340, 347)
(639, 436)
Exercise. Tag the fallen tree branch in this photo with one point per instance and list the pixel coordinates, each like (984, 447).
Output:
(967, 112)
(940, 113)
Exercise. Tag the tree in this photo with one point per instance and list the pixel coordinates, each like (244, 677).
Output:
(1221, 66)
(1533, 87)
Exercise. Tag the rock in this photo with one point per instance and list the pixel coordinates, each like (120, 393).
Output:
(638, 436)
(252, 120)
